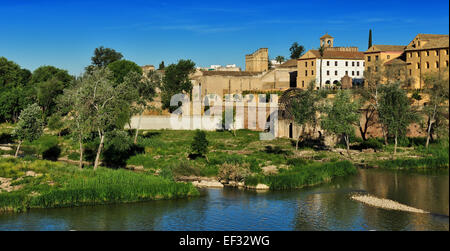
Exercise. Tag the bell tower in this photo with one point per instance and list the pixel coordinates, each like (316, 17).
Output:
(326, 41)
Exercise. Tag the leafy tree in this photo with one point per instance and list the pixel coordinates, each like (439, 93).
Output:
(200, 144)
(13, 100)
(121, 68)
(145, 87)
(296, 50)
(55, 123)
(395, 111)
(161, 66)
(436, 109)
(341, 116)
(304, 108)
(11, 75)
(101, 105)
(30, 125)
(280, 59)
(105, 56)
(176, 80)
(46, 73)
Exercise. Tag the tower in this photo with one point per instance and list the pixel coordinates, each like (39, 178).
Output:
(326, 41)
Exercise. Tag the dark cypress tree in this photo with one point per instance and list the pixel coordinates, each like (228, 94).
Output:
(370, 38)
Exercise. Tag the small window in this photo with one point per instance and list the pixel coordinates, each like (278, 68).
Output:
(357, 64)
(418, 65)
(446, 63)
(335, 73)
(428, 65)
(328, 73)
(306, 73)
(410, 54)
(428, 53)
(418, 54)
(368, 60)
(303, 83)
(335, 63)
(353, 73)
(410, 72)
(376, 58)
(328, 63)
(306, 64)
(312, 63)
(357, 73)
(437, 64)
(446, 52)
(353, 63)
(437, 53)
(312, 72)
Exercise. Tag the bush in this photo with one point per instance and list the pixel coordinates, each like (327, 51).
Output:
(184, 168)
(6, 138)
(200, 144)
(119, 148)
(230, 172)
(372, 143)
(48, 147)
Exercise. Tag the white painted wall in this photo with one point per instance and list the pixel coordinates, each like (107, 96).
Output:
(340, 68)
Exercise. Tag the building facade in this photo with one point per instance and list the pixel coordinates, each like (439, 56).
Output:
(258, 61)
(337, 62)
(426, 53)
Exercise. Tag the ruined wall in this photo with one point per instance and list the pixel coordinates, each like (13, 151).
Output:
(258, 61)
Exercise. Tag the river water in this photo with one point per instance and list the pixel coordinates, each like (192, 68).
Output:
(324, 207)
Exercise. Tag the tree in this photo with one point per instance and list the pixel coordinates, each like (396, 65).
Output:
(145, 92)
(161, 66)
(105, 56)
(304, 110)
(101, 105)
(121, 68)
(176, 80)
(200, 144)
(13, 100)
(30, 125)
(341, 116)
(437, 88)
(46, 73)
(280, 59)
(296, 50)
(11, 75)
(395, 111)
(370, 38)
(321, 52)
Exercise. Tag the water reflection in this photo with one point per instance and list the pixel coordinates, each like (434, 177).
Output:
(326, 207)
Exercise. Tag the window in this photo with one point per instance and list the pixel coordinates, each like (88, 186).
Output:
(357, 64)
(437, 64)
(446, 52)
(335, 73)
(446, 63)
(306, 64)
(312, 72)
(357, 73)
(346, 72)
(303, 83)
(328, 73)
(410, 72)
(306, 73)
(364, 63)
(418, 54)
(428, 65)
(312, 63)
(335, 63)
(368, 60)
(376, 58)
(428, 53)
(410, 54)
(437, 53)
(328, 63)
(353, 73)
(418, 65)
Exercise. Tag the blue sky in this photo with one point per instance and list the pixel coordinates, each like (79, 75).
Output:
(65, 33)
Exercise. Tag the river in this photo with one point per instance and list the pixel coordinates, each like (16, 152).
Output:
(324, 207)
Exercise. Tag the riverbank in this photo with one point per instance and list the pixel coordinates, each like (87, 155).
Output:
(46, 184)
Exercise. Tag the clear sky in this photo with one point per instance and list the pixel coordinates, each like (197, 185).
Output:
(65, 33)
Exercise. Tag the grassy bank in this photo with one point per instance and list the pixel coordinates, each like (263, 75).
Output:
(303, 174)
(45, 184)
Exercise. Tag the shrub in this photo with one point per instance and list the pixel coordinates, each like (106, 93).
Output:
(372, 143)
(118, 149)
(230, 172)
(48, 147)
(200, 144)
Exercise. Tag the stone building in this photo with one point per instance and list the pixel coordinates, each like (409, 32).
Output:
(258, 61)
(336, 63)
(426, 53)
(381, 53)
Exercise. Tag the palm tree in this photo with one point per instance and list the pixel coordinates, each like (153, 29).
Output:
(279, 59)
(321, 52)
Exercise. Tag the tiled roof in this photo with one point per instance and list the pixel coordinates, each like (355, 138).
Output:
(289, 63)
(328, 54)
(429, 41)
(326, 36)
(230, 73)
(382, 47)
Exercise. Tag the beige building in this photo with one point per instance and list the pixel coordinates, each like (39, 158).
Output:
(381, 53)
(258, 61)
(424, 54)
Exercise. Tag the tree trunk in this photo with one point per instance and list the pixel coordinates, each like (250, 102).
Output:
(81, 154)
(17, 150)
(395, 146)
(137, 129)
(99, 151)
(430, 124)
(347, 142)
(385, 136)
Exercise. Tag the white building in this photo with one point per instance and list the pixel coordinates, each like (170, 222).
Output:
(337, 62)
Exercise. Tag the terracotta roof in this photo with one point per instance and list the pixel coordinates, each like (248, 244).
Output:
(339, 54)
(289, 63)
(230, 73)
(429, 41)
(326, 36)
(382, 47)
(396, 61)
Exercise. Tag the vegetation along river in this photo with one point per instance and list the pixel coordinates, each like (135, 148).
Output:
(324, 207)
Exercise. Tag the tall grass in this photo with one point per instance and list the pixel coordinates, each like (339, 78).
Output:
(66, 186)
(302, 175)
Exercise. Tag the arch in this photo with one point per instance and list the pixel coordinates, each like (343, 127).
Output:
(335, 82)
(327, 82)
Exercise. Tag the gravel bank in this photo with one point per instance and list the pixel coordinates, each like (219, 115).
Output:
(386, 204)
